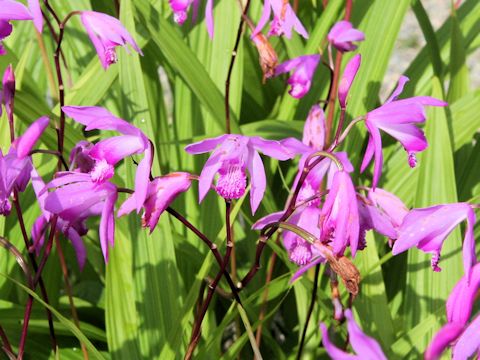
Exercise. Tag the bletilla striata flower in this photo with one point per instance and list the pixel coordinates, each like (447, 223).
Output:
(161, 192)
(398, 119)
(77, 197)
(108, 152)
(232, 156)
(16, 165)
(106, 33)
(364, 346)
(457, 330)
(343, 34)
(284, 20)
(428, 228)
(72, 230)
(303, 68)
(11, 10)
(8, 92)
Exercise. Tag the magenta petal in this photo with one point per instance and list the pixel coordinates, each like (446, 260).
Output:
(442, 339)
(107, 225)
(142, 177)
(460, 302)
(365, 346)
(14, 10)
(288, 66)
(334, 352)
(271, 218)
(205, 145)
(272, 148)
(398, 90)
(209, 170)
(304, 268)
(209, 17)
(314, 128)
(117, 148)
(267, 10)
(347, 79)
(30, 137)
(36, 11)
(258, 179)
(469, 342)
(38, 233)
(128, 206)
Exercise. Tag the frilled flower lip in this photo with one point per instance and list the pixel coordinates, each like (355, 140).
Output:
(106, 32)
(242, 151)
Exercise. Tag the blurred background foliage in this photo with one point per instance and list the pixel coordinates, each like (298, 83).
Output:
(141, 305)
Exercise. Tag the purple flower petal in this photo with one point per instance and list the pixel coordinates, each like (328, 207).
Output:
(14, 10)
(206, 145)
(258, 179)
(34, 6)
(442, 339)
(469, 342)
(334, 352)
(209, 17)
(365, 346)
(25, 143)
(347, 79)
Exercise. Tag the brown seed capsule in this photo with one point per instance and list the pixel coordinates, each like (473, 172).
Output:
(267, 56)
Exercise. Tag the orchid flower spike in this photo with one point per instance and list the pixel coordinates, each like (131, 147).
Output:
(11, 10)
(365, 346)
(108, 152)
(161, 192)
(428, 228)
(343, 34)
(303, 68)
(180, 9)
(232, 156)
(347, 79)
(106, 33)
(77, 197)
(284, 20)
(397, 118)
(15, 167)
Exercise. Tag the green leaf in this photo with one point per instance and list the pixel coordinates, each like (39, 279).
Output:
(459, 79)
(67, 323)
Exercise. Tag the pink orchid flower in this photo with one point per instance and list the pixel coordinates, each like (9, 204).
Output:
(343, 34)
(232, 156)
(161, 192)
(284, 20)
(108, 152)
(303, 68)
(106, 33)
(398, 119)
(428, 228)
(180, 9)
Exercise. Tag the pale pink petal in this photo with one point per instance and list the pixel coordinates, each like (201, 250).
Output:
(205, 145)
(258, 179)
